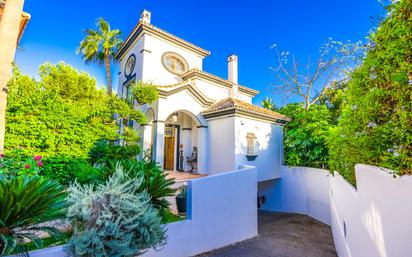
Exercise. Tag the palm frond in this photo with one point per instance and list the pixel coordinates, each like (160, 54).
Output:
(25, 202)
(103, 25)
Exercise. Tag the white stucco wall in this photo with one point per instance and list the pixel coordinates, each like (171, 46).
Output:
(244, 97)
(153, 69)
(299, 190)
(228, 145)
(377, 214)
(212, 90)
(371, 220)
(220, 214)
(135, 49)
(221, 144)
(268, 146)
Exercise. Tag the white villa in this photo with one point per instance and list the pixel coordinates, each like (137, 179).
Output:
(196, 108)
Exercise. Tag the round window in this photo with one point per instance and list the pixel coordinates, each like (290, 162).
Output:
(130, 64)
(174, 63)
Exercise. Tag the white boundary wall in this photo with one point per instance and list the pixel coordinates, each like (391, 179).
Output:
(299, 190)
(372, 220)
(222, 210)
(376, 216)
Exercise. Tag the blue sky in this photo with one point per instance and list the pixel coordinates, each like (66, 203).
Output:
(247, 28)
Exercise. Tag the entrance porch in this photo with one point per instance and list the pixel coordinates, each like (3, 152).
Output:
(178, 144)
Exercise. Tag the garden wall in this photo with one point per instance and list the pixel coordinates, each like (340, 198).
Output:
(375, 218)
(299, 190)
(222, 211)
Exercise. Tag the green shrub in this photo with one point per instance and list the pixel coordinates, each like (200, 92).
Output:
(66, 170)
(376, 123)
(113, 219)
(105, 151)
(305, 135)
(25, 202)
(145, 93)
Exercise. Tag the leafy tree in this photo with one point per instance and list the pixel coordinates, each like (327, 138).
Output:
(305, 135)
(269, 104)
(62, 115)
(24, 203)
(99, 46)
(376, 122)
(113, 219)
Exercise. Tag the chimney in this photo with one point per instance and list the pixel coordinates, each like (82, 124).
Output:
(145, 16)
(232, 73)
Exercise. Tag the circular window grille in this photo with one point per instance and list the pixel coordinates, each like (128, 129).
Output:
(174, 63)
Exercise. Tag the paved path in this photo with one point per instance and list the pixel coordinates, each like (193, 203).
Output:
(283, 235)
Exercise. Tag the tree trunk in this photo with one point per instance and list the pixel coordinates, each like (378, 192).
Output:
(9, 31)
(307, 104)
(108, 73)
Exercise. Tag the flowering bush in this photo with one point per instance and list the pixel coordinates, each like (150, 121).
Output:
(17, 164)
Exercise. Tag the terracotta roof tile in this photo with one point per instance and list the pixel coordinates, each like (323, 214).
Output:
(236, 104)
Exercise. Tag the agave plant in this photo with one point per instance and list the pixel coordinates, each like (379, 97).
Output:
(25, 202)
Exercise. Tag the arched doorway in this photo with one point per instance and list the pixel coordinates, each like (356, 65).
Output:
(181, 142)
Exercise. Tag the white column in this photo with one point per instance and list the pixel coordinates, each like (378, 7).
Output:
(158, 142)
(146, 138)
(186, 140)
(202, 149)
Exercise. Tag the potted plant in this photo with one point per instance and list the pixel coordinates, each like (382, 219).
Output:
(181, 200)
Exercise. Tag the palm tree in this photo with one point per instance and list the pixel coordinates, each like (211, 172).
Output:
(9, 32)
(269, 104)
(99, 46)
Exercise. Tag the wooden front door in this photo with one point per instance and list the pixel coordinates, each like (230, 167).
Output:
(169, 154)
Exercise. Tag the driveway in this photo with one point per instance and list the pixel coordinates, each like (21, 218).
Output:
(283, 235)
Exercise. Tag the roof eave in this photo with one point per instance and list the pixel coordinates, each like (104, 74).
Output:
(204, 75)
(234, 111)
(142, 27)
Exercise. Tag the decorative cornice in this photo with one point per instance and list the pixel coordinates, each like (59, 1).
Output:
(235, 112)
(196, 73)
(203, 100)
(150, 29)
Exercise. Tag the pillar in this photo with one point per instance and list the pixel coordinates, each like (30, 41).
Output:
(186, 140)
(158, 142)
(202, 149)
